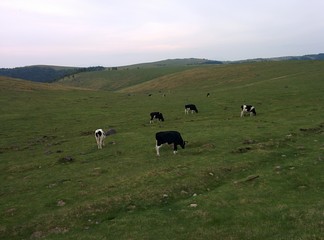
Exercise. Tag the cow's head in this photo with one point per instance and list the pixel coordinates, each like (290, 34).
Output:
(161, 117)
(183, 144)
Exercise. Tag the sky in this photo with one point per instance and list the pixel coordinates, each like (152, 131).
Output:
(83, 33)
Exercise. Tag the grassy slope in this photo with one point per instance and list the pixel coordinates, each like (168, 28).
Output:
(125, 192)
(13, 84)
(118, 79)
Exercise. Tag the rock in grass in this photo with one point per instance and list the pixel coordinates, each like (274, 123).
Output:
(67, 159)
(60, 203)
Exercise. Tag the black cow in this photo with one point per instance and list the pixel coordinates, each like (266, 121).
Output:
(190, 107)
(169, 137)
(156, 115)
(248, 109)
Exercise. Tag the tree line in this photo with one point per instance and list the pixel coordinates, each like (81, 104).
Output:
(44, 74)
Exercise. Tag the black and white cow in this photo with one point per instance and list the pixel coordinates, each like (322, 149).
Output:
(169, 137)
(248, 109)
(156, 115)
(100, 136)
(190, 107)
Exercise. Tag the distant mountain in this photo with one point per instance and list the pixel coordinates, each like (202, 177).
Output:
(46, 74)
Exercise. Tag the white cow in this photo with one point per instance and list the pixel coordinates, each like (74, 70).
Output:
(100, 136)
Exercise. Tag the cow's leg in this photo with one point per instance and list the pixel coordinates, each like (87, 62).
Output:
(175, 149)
(157, 148)
(101, 141)
(98, 143)
(242, 113)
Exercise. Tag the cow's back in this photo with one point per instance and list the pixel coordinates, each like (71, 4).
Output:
(170, 136)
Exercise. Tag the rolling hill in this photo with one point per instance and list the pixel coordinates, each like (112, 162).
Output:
(46, 73)
(198, 77)
(13, 84)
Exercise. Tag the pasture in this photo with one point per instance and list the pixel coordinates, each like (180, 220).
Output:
(238, 178)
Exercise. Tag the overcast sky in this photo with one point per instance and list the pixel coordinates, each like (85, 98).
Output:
(121, 32)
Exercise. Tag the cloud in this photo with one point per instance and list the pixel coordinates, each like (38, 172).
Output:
(140, 29)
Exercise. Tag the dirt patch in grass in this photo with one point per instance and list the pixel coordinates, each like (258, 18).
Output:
(67, 159)
(242, 150)
(315, 130)
(252, 145)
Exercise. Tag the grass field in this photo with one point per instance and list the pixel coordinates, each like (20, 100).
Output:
(238, 178)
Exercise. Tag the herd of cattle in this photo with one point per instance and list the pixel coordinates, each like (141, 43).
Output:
(169, 137)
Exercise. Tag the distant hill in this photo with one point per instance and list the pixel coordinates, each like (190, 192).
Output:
(44, 73)
(13, 84)
(178, 62)
(226, 75)
(117, 78)
(319, 56)
(149, 79)
(49, 74)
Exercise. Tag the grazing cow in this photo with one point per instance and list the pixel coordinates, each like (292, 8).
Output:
(190, 107)
(208, 94)
(169, 137)
(156, 115)
(248, 109)
(100, 136)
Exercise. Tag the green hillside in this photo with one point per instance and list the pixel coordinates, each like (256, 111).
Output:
(238, 178)
(222, 77)
(16, 85)
(44, 73)
(118, 79)
(205, 77)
